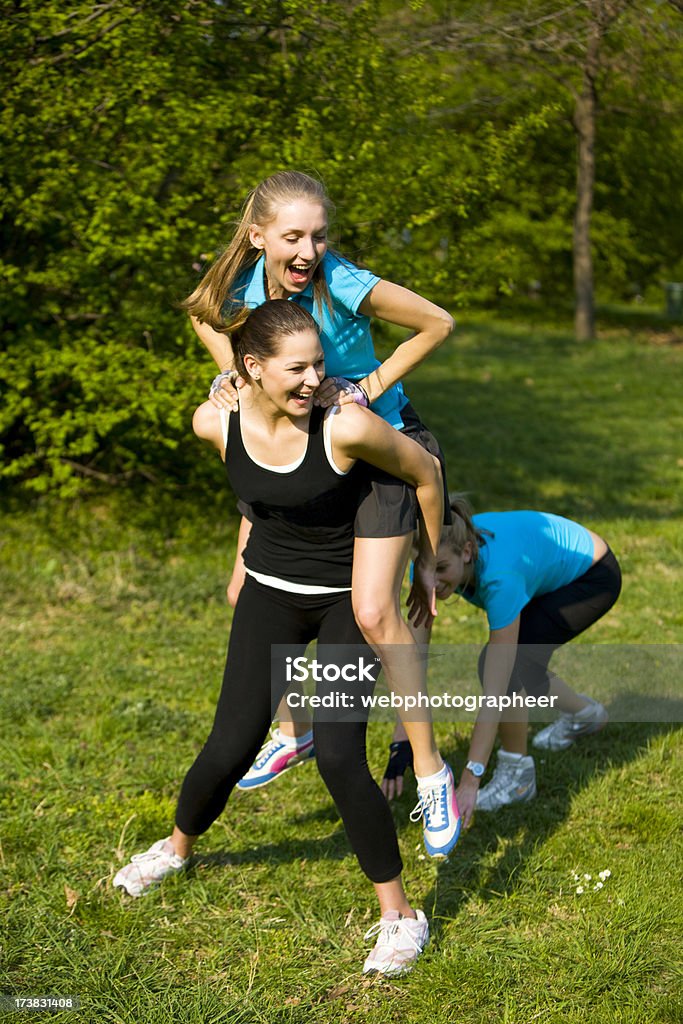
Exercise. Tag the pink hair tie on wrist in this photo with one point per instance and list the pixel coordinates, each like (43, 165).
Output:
(357, 391)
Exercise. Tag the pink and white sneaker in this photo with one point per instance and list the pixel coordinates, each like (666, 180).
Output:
(148, 869)
(277, 756)
(400, 940)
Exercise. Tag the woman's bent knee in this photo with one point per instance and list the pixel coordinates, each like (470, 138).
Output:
(375, 618)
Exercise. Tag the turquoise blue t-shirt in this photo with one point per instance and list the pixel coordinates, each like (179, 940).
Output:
(529, 554)
(344, 332)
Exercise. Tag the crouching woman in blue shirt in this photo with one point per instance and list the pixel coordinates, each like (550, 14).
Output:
(542, 580)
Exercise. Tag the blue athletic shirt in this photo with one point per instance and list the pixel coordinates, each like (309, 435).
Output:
(344, 332)
(529, 554)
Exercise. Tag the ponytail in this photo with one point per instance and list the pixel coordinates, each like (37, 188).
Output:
(207, 300)
(462, 528)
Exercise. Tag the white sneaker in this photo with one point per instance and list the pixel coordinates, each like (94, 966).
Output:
(513, 782)
(149, 868)
(400, 940)
(568, 728)
(438, 809)
(276, 756)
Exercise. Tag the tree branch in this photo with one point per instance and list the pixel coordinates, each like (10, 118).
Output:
(97, 13)
(72, 54)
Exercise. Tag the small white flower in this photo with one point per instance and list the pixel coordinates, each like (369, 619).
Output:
(420, 856)
(588, 878)
(579, 890)
(598, 885)
(602, 875)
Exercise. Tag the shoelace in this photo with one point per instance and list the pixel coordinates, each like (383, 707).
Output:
(427, 805)
(268, 751)
(150, 855)
(385, 929)
(574, 724)
(502, 779)
(566, 726)
(499, 782)
(140, 858)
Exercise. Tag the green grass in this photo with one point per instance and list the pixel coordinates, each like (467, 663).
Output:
(114, 628)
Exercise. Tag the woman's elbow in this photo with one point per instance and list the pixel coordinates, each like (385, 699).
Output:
(445, 326)
(440, 327)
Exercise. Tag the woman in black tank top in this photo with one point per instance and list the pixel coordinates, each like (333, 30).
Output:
(302, 514)
(295, 465)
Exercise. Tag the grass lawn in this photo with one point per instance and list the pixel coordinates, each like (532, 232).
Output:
(114, 628)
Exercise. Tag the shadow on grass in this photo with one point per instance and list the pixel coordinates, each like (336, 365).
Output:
(331, 847)
(522, 828)
(658, 326)
(631, 318)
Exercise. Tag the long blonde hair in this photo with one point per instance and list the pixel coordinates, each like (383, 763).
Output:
(261, 207)
(462, 528)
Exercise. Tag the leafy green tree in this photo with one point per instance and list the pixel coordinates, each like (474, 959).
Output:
(104, 135)
(596, 62)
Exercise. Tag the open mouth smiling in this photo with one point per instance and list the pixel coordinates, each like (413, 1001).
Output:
(298, 270)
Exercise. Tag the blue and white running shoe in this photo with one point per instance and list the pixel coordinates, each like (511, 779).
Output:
(276, 756)
(438, 809)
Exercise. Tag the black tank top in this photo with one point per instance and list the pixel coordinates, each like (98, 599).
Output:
(302, 519)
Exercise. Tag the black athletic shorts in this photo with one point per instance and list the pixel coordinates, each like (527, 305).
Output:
(553, 619)
(388, 507)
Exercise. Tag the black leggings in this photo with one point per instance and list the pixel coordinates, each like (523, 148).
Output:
(553, 619)
(247, 702)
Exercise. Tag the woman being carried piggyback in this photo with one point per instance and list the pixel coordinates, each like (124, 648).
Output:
(280, 251)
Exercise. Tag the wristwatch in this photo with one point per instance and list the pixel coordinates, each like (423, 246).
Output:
(477, 768)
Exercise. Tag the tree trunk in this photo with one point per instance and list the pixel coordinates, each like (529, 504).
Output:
(585, 114)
